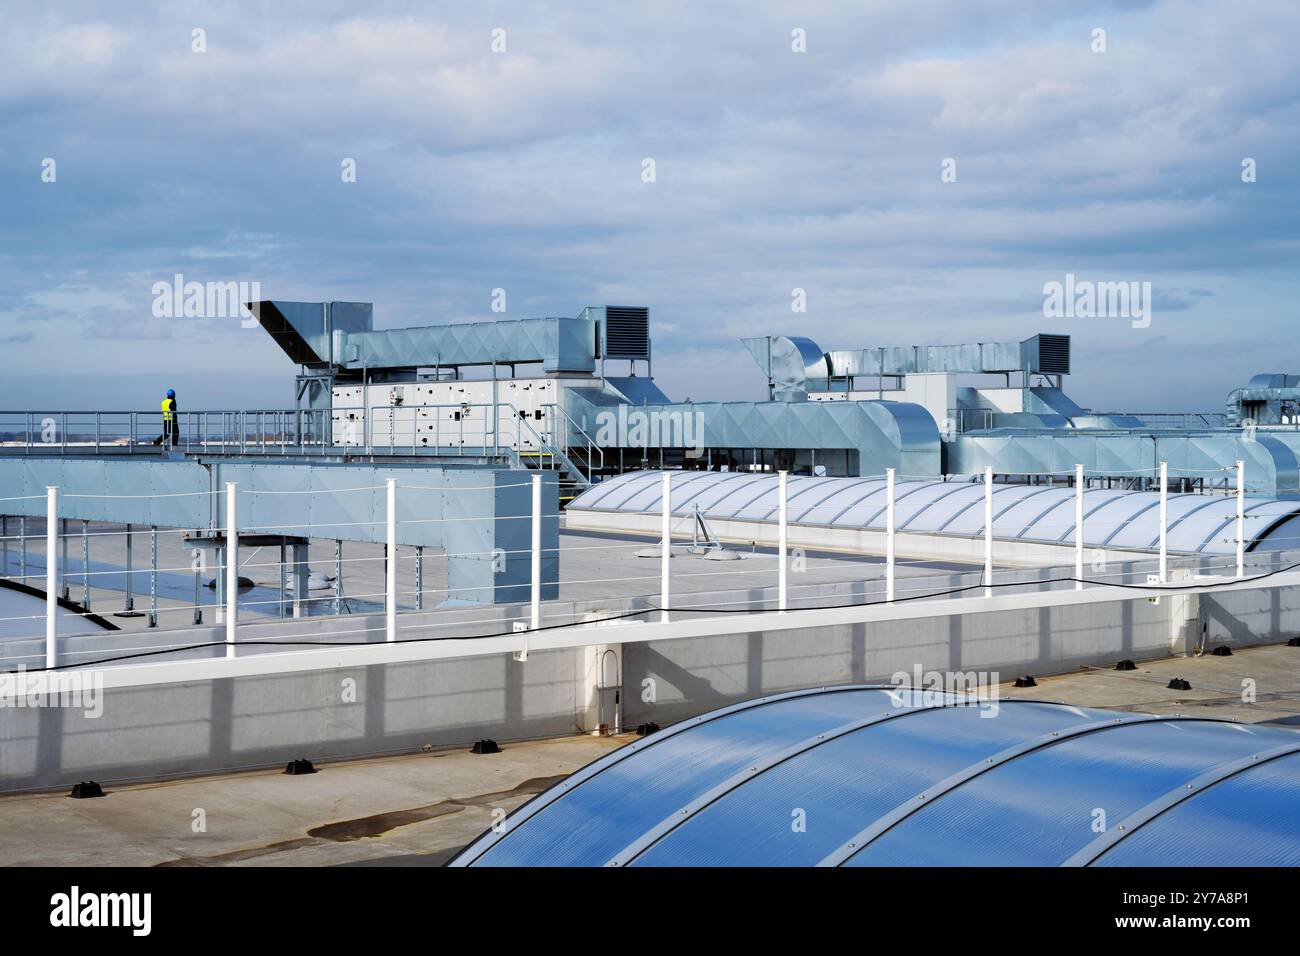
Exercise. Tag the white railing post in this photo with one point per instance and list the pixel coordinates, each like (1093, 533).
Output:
(536, 615)
(988, 532)
(232, 565)
(390, 577)
(889, 535)
(51, 576)
(1241, 518)
(781, 593)
(1164, 520)
(666, 555)
(1078, 527)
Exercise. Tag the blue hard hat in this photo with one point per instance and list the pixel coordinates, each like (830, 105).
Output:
(171, 393)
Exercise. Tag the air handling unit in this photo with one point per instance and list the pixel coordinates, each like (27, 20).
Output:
(543, 393)
(551, 393)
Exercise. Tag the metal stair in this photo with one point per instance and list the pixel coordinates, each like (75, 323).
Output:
(572, 481)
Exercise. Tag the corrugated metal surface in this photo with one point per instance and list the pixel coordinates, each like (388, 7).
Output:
(871, 776)
(980, 357)
(560, 344)
(1272, 459)
(898, 435)
(1197, 524)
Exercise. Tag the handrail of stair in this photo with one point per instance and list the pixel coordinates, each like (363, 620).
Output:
(591, 445)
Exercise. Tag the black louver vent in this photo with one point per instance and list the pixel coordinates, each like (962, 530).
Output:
(1054, 354)
(627, 332)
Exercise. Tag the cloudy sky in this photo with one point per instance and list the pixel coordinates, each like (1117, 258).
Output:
(774, 170)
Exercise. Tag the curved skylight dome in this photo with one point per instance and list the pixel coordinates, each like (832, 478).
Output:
(863, 776)
(1198, 524)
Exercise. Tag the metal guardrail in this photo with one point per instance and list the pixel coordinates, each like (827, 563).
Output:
(254, 661)
(962, 420)
(247, 431)
(272, 431)
(579, 430)
(1176, 420)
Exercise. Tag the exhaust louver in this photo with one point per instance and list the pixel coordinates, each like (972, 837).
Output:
(627, 332)
(1054, 354)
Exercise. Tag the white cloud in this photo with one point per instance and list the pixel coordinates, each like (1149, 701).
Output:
(522, 170)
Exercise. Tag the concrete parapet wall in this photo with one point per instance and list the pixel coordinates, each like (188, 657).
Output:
(206, 726)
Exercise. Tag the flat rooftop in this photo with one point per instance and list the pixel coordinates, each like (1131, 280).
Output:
(593, 567)
(419, 809)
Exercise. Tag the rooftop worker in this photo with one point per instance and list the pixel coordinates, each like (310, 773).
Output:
(171, 427)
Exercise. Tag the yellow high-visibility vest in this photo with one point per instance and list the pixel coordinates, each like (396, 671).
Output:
(168, 407)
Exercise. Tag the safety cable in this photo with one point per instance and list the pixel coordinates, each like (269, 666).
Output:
(652, 609)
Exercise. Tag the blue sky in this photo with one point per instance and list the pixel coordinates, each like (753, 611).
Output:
(522, 170)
